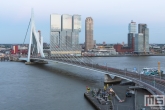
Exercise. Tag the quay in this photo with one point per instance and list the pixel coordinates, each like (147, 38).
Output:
(124, 55)
(111, 98)
(116, 98)
(96, 99)
(4, 58)
(16, 58)
(117, 95)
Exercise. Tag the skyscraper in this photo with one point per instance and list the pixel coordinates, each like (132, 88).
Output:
(131, 40)
(64, 34)
(142, 39)
(76, 28)
(146, 40)
(88, 34)
(142, 28)
(55, 31)
(131, 34)
(132, 27)
(139, 43)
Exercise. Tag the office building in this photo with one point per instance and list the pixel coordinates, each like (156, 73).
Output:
(142, 39)
(131, 35)
(89, 34)
(139, 43)
(142, 28)
(64, 34)
(132, 27)
(146, 40)
(131, 40)
(55, 31)
(76, 29)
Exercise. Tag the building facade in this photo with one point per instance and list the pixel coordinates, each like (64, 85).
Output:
(131, 40)
(132, 27)
(76, 29)
(139, 43)
(131, 34)
(55, 31)
(64, 33)
(89, 34)
(142, 28)
(146, 41)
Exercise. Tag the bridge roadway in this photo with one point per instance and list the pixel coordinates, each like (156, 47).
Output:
(154, 85)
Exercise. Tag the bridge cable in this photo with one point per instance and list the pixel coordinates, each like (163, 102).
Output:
(27, 31)
(64, 56)
(26, 34)
(77, 60)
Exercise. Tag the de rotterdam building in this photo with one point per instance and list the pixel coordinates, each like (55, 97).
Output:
(64, 34)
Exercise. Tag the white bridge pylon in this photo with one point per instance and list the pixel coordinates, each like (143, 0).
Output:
(34, 37)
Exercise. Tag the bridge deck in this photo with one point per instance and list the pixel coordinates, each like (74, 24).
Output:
(152, 84)
(157, 87)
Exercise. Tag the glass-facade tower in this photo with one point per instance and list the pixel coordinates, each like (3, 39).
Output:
(142, 28)
(142, 39)
(66, 23)
(76, 29)
(64, 32)
(132, 27)
(55, 30)
(131, 34)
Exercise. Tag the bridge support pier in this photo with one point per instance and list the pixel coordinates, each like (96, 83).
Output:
(40, 62)
(111, 79)
(30, 63)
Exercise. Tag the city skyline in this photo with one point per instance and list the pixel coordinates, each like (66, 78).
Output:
(110, 26)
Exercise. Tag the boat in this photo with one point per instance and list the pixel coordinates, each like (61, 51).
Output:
(151, 71)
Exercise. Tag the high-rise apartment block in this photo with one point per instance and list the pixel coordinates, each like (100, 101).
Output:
(64, 33)
(89, 44)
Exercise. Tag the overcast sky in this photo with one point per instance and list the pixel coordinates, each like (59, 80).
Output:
(111, 18)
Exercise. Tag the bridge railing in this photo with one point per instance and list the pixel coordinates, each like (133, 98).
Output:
(153, 81)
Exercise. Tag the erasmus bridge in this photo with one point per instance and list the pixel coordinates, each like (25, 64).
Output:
(154, 85)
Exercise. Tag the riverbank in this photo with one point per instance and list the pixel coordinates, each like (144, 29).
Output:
(128, 55)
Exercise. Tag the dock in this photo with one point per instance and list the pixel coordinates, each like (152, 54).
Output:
(111, 98)
(98, 103)
(4, 58)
